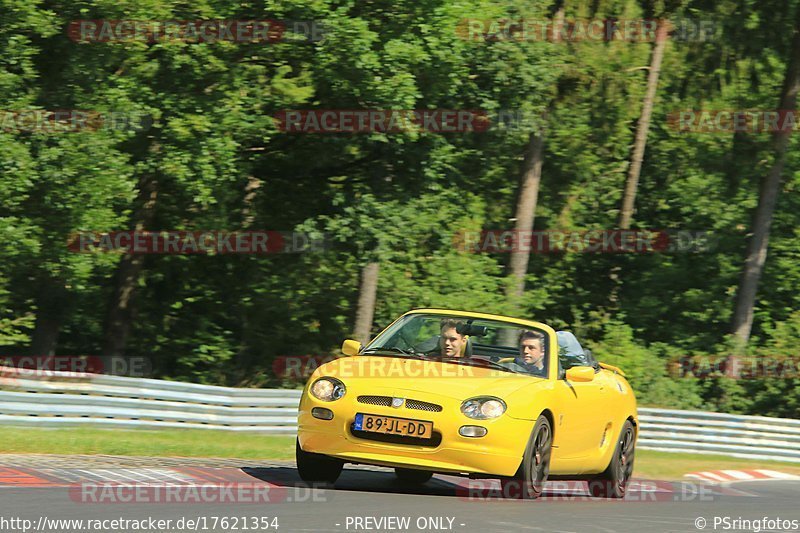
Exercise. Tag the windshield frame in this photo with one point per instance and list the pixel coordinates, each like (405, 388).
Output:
(551, 347)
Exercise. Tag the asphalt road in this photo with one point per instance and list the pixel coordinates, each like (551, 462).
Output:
(251, 495)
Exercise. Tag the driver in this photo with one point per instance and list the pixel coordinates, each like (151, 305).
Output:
(451, 342)
(531, 352)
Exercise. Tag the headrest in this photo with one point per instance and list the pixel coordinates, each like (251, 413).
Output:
(469, 329)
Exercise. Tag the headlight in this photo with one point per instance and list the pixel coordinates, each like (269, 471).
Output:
(483, 407)
(328, 389)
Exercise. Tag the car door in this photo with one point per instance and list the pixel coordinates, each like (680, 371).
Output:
(582, 415)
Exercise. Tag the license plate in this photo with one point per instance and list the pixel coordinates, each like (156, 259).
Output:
(394, 426)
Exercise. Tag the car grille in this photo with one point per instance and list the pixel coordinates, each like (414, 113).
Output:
(386, 401)
(376, 400)
(423, 406)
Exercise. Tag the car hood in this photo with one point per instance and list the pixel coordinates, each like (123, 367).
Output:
(393, 375)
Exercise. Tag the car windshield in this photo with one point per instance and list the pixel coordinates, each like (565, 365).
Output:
(464, 340)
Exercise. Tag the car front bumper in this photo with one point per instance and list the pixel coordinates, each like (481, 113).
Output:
(498, 453)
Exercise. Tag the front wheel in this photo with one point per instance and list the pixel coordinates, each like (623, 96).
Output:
(613, 483)
(409, 476)
(316, 468)
(528, 482)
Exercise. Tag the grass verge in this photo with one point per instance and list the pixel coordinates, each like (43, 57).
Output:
(161, 443)
(208, 443)
(651, 464)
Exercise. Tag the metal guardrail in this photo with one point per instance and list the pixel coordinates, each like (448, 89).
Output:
(65, 399)
(68, 399)
(700, 432)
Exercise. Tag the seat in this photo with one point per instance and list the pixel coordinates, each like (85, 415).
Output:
(466, 350)
(428, 346)
(571, 353)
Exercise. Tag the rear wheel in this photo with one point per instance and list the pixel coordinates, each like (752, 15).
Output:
(409, 476)
(613, 483)
(316, 468)
(528, 482)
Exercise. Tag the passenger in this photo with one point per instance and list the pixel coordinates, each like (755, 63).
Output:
(531, 353)
(451, 342)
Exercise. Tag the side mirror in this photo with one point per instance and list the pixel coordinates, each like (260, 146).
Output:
(580, 373)
(351, 347)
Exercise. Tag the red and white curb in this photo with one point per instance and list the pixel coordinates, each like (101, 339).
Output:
(67, 477)
(730, 476)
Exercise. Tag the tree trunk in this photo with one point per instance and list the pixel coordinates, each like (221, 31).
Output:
(250, 191)
(526, 210)
(525, 214)
(49, 316)
(121, 312)
(246, 358)
(768, 195)
(637, 156)
(642, 128)
(366, 302)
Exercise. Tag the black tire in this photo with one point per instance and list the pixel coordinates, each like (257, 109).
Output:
(613, 483)
(317, 468)
(528, 482)
(408, 476)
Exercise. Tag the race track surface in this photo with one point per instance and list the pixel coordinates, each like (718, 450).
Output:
(249, 495)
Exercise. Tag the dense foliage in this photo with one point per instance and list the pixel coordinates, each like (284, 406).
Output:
(214, 159)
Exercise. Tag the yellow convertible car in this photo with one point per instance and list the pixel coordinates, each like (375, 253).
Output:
(472, 394)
